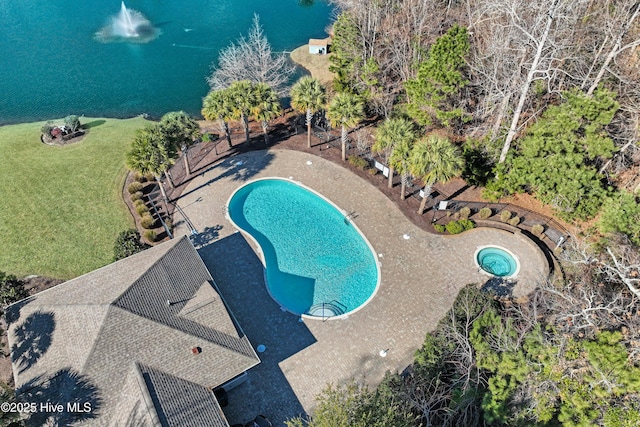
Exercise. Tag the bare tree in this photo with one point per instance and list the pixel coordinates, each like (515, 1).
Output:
(392, 37)
(542, 45)
(600, 291)
(252, 59)
(618, 18)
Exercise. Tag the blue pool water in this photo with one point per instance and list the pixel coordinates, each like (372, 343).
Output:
(312, 255)
(54, 65)
(497, 261)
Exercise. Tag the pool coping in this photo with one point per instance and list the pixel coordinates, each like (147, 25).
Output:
(261, 252)
(483, 271)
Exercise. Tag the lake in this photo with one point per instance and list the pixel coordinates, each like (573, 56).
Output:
(53, 65)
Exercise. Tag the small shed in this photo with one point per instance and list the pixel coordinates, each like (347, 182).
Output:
(319, 46)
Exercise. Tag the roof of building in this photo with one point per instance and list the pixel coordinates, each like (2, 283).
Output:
(126, 333)
(320, 42)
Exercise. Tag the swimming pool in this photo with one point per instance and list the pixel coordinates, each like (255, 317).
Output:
(497, 261)
(317, 262)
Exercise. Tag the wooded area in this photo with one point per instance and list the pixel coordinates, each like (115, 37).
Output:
(542, 97)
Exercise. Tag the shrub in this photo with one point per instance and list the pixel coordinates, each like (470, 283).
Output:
(134, 187)
(358, 162)
(467, 224)
(537, 230)
(454, 227)
(128, 243)
(46, 129)
(515, 221)
(505, 215)
(457, 227)
(141, 208)
(147, 221)
(465, 212)
(439, 228)
(619, 215)
(150, 235)
(12, 289)
(485, 213)
(373, 171)
(210, 137)
(137, 196)
(72, 122)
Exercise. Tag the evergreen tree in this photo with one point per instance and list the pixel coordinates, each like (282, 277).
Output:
(434, 95)
(345, 58)
(570, 140)
(621, 214)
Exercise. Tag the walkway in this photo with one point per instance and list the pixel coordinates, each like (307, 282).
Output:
(420, 279)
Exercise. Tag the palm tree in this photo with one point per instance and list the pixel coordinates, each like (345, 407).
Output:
(435, 159)
(400, 160)
(345, 110)
(390, 133)
(308, 96)
(241, 97)
(266, 106)
(151, 153)
(180, 130)
(217, 106)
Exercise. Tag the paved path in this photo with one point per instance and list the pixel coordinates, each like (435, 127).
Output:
(420, 279)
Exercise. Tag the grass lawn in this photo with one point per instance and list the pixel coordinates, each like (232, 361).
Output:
(61, 208)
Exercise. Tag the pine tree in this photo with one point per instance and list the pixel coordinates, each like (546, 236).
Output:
(434, 95)
(570, 140)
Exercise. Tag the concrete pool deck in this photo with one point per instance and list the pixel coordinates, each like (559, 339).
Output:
(420, 278)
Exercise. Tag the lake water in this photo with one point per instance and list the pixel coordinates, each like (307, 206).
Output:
(53, 66)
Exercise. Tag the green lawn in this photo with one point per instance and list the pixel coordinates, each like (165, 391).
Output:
(61, 208)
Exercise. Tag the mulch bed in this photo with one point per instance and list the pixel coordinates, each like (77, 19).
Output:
(286, 134)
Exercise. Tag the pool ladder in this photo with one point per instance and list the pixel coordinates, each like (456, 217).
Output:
(350, 217)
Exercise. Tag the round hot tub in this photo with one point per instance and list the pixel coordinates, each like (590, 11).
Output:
(497, 261)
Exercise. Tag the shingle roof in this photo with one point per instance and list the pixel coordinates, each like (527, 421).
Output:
(171, 395)
(108, 320)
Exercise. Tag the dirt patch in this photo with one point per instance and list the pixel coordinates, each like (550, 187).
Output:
(317, 65)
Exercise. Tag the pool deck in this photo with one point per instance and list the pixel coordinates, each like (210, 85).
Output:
(421, 277)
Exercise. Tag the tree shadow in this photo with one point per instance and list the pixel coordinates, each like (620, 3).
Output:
(79, 397)
(208, 235)
(93, 124)
(500, 286)
(238, 168)
(33, 339)
(12, 313)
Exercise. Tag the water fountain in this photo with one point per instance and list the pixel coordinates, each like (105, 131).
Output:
(128, 26)
(125, 25)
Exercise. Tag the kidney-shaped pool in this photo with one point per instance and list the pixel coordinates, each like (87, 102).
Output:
(317, 261)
